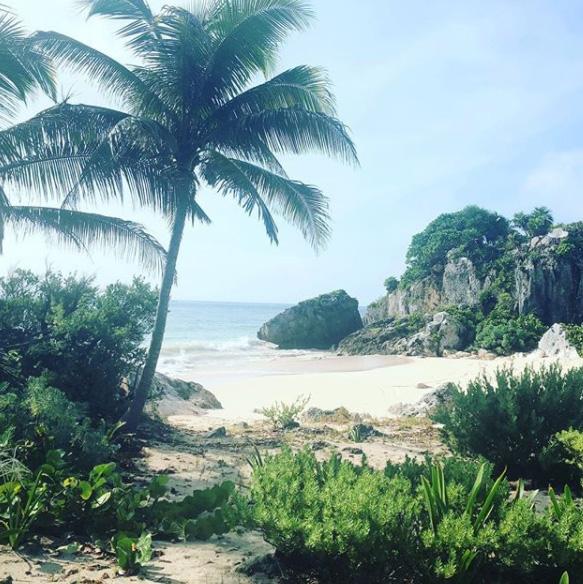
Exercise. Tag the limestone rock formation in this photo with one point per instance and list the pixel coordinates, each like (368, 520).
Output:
(173, 397)
(318, 323)
(547, 283)
(407, 336)
(554, 343)
(438, 396)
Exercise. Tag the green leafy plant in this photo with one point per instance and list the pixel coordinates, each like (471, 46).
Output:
(132, 553)
(416, 522)
(574, 333)
(472, 232)
(391, 284)
(285, 416)
(562, 458)
(503, 333)
(84, 342)
(21, 503)
(513, 416)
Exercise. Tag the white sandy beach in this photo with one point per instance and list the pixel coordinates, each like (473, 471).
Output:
(367, 384)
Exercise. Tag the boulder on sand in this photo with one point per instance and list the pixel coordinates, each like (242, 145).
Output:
(318, 323)
(554, 343)
(175, 397)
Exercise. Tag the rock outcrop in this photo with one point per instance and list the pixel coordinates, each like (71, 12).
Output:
(554, 343)
(454, 284)
(439, 396)
(318, 323)
(547, 283)
(406, 336)
(173, 397)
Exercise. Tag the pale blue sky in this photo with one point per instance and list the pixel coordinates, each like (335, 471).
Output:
(450, 103)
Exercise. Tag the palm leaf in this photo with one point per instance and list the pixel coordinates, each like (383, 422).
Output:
(247, 35)
(302, 205)
(287, 130)
(140, 31)
(83, 230)
(112, 76)
(22, 68)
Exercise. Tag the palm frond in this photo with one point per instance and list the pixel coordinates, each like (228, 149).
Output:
(287, 131)
(247, 35)
(140, 31)
(227, 176)
(304, 87)
(82, 230)
(304, 206)
(112, 76)
(22, 68)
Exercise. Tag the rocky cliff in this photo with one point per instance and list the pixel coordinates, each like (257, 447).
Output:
(318, 323)
(545, 282)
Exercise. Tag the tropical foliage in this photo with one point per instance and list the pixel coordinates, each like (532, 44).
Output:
(336, 521)
(23, 70)
(472, 232)
(82, 341)
(511, 419)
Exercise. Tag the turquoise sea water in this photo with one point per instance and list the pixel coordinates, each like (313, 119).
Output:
(213, 335)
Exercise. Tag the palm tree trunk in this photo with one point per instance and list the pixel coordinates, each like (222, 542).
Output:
(132, 416)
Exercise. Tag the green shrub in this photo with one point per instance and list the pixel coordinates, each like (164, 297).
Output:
(99, 504)
(472, 232)
(574, 333)
(43, 419)
(335, 521)
(391, 284)
(503, 334)
(562, 458)
(285, 416)
(333, 516)
(86, 342)
(511, 419)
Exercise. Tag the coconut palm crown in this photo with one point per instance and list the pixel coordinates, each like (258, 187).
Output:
(200, 107)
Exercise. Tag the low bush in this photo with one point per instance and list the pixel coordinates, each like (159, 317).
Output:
(285, 416)
(574, 334)
(41, 418)
(415, 523)
(86, 342)
(505, 334)
(511, 419)
(562, 458)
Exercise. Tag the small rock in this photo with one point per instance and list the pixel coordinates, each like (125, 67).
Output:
(339, 415)
(440, 395)
(423, 386)
(486, 355)
(363, 432)
(353, 450)
(220, 432)
(319, 445)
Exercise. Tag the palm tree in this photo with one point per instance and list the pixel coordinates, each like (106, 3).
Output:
(192, 112)
(24, 70)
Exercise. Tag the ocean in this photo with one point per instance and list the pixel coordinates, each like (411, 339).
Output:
(209, 337)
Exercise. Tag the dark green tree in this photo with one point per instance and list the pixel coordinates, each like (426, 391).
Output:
(534, 224)
(473, 232)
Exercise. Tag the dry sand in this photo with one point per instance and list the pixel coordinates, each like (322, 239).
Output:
(368, 384)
